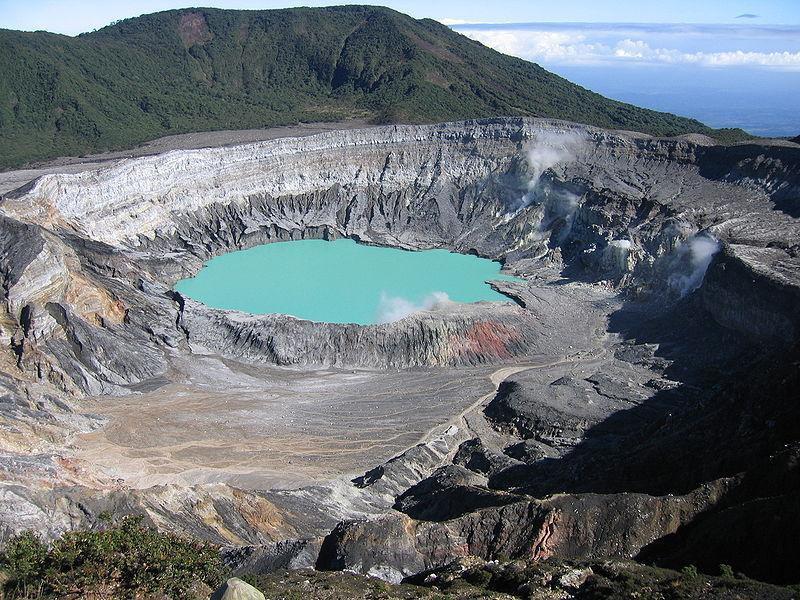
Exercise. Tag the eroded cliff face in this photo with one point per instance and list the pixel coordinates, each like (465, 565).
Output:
(652, 268)
(614, 208)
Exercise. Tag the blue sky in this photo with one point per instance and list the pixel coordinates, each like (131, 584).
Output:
(726, 62)
(743, 74)
(72, 17)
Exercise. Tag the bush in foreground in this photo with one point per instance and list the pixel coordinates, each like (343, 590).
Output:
(123, 560)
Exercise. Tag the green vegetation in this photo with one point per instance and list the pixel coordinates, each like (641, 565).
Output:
(130, 560)
(592, 580)
(689, 571)
(337, 585)
(124, 560)
(726, 571)
(204, 69)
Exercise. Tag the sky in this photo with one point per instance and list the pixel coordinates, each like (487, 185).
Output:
(74, 16)
(726, 62)
(744, 74)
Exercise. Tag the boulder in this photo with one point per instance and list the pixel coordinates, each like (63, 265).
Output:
(236, 589)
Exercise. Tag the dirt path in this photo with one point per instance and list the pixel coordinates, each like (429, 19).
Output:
(497, 377)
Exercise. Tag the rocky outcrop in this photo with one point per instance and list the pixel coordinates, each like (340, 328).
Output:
(569, 526)
(558, 413)
(480, 333)
(754, 291)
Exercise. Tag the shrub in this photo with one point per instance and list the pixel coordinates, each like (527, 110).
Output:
(726, 571)
(124, 560)
(477, 577)
(388, 115)
(689, 571)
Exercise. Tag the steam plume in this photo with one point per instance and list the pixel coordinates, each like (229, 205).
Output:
(394, 308)
(691, 262)
(548, 150)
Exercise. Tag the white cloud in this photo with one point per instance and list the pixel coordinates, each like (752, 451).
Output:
(394, 308)
(545, 46)
(574, 47)
(640, 50)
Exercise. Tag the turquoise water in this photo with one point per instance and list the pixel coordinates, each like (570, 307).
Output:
(340, 281)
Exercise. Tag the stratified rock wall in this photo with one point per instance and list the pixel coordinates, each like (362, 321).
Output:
(615, 209)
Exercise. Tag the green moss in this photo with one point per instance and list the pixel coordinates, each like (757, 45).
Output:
(151, 76)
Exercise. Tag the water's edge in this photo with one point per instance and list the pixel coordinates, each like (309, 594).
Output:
(342, 281)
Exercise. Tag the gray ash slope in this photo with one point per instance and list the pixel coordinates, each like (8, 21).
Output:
(647, 369)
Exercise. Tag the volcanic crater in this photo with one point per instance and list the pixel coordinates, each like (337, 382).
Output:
(636, 399)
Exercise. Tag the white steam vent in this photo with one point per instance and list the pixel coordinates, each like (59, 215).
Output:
(691, 261)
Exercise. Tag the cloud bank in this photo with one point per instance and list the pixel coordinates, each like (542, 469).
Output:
(594, 44)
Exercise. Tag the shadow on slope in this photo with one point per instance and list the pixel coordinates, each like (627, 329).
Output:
(730, 416)
(734, 415)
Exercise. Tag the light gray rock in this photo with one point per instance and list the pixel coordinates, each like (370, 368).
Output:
(236, 589)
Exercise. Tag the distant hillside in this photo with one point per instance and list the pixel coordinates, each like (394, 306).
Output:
(201, 69)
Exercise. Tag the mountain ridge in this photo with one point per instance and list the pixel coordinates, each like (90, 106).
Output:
(201, 69)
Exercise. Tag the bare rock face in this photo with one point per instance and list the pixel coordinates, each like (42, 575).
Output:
(482, 333)
(754, 291)
(564, 526)
(561, 411)
(645, 365)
